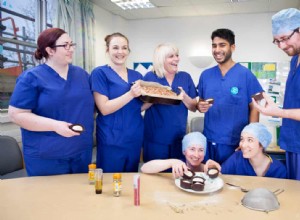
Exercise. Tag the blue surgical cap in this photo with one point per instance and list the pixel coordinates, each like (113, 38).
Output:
(194, 138)
(285, 21)
(260, 132)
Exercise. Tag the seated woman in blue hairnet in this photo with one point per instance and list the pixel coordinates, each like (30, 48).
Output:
(193, 148)
(252, 160)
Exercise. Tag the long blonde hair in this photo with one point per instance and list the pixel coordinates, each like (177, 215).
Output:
(161, 52)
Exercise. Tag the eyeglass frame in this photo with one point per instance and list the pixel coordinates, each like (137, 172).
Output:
(67, 46)
(277, 42)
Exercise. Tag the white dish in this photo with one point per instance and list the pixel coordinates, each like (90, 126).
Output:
(211, 185)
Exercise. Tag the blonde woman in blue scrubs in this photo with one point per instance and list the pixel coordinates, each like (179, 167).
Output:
(119, 122)
(165, 125)
(48, 99)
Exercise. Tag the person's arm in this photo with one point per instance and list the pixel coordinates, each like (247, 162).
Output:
(32, 122)
(271, 109)
(188, 101)
(156, 166)
(107, 106)
(254, 114)
(145, 106)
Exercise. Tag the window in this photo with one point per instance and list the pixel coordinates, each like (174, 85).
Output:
(18, 30)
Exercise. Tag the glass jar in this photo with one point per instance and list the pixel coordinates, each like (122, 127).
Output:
(117, 184)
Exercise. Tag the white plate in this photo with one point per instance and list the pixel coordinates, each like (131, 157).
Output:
(211, 185)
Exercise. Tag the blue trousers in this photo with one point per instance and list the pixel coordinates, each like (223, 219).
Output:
(46, 167)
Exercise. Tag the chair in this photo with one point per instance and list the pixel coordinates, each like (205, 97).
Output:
(197, 124)
(11, 159)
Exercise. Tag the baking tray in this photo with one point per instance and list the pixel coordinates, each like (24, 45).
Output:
(160, 100)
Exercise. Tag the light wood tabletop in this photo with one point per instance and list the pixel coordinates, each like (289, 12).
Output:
(71, 197)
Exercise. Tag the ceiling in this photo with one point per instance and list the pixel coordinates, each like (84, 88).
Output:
(187, 8)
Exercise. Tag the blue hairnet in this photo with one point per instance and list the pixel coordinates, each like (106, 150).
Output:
(194, 138)
(260, 132)
(285, 21)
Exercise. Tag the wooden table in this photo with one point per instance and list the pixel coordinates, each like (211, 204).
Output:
(70, 197)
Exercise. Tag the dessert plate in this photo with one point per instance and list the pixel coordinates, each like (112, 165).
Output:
(211, 185)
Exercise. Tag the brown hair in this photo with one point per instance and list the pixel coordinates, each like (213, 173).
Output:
(109, 37)
(47, 38)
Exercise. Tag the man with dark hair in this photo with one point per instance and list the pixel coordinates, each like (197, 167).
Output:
(231, 86)
(285, 30)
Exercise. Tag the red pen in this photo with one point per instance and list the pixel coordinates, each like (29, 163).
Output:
(136, 187)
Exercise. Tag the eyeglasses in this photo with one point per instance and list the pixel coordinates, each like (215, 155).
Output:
(66, 46)
(284, 40)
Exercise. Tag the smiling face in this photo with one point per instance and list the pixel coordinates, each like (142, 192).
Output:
(118, 50)
(59, 54)
(250, 146)
(222, 50)
(194, 155)
(289, 42)
(171, 62)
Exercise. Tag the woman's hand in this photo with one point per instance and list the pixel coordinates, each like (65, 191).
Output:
(210, 164)
(178, 168)
(62, 128)
(135, 89)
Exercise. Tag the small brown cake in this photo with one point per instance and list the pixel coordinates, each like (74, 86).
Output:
(258, 96)
(197, 186)
(210, 101)
(188, 174)
(198, 179)
(185, 183)
(213, 172)
(77, 128)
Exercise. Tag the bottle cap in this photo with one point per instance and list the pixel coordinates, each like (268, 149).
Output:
(92, 166)
(117, 176)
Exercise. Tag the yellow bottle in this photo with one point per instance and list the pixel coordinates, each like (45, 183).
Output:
(91, 173)
(117, 184)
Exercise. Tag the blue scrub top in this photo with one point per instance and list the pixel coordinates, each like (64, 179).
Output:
(229, 114)
(290, 129)
(46, 94)
(236, 164)
(166, 123)
(125, 126)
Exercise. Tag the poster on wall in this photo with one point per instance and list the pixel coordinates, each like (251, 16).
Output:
(143, 67)
(262, 70)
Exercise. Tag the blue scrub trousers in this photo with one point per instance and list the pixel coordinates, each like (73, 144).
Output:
(112, 158)
(46, 167)
(153, 151)
(219, 152)
(293, 165)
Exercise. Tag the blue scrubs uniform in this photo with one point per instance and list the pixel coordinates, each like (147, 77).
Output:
(119, 134)
(229, 114)
(236, 164)
(289, 139)
(46, 94)
(165, 125)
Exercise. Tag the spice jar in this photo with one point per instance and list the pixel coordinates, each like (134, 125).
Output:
(91, 173)
(117, 184)
(98, 180)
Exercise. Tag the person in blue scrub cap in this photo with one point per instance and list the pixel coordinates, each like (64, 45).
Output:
(193, 148)
(285, 30)
(46, 101)
(231, 86)
(252, 159)
(119, 123)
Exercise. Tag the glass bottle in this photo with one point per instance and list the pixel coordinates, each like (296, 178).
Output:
(117, 184)
(98, 180)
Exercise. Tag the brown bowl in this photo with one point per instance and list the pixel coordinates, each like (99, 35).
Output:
(213, 172)
(185, 183)
(197, 186)
(188, 174)
(258, 96)
(160, 100)
(77, 128)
